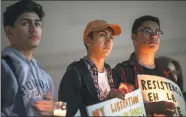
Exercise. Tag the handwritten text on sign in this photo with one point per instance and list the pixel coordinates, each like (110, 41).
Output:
(132, 106)
(155, 88)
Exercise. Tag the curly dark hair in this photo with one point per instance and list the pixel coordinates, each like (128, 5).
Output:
(164, 61)
(13, 11)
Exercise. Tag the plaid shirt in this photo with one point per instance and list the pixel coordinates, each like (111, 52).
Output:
(94, 74)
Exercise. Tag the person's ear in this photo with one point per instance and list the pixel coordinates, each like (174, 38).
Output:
(134, 38)
(87, 41)
(8, 32)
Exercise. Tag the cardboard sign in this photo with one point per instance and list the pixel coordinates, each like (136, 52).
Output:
(155, 88)
(133, 105)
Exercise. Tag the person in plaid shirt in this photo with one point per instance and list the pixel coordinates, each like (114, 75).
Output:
(89, 80)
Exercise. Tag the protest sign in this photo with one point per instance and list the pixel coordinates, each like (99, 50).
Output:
(155, 88)
(133, 105)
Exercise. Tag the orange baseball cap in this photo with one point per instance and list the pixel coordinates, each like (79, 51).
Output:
(98, 25)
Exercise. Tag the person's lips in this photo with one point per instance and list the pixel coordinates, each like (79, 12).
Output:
(34, 37)
(109, 48)
(153, 42)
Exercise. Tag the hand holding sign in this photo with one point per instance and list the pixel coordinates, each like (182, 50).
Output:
(120, 93)
(125, 87)
(161, 107)
(115, 93)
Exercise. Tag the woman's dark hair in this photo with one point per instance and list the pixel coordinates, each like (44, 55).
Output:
(164, 61)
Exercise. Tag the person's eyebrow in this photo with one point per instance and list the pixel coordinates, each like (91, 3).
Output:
(27, 19)
(146, 27)
(112, 33)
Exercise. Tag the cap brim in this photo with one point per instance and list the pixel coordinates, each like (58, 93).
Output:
(116, 28)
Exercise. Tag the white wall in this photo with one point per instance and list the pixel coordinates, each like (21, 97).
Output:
(65, 22)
